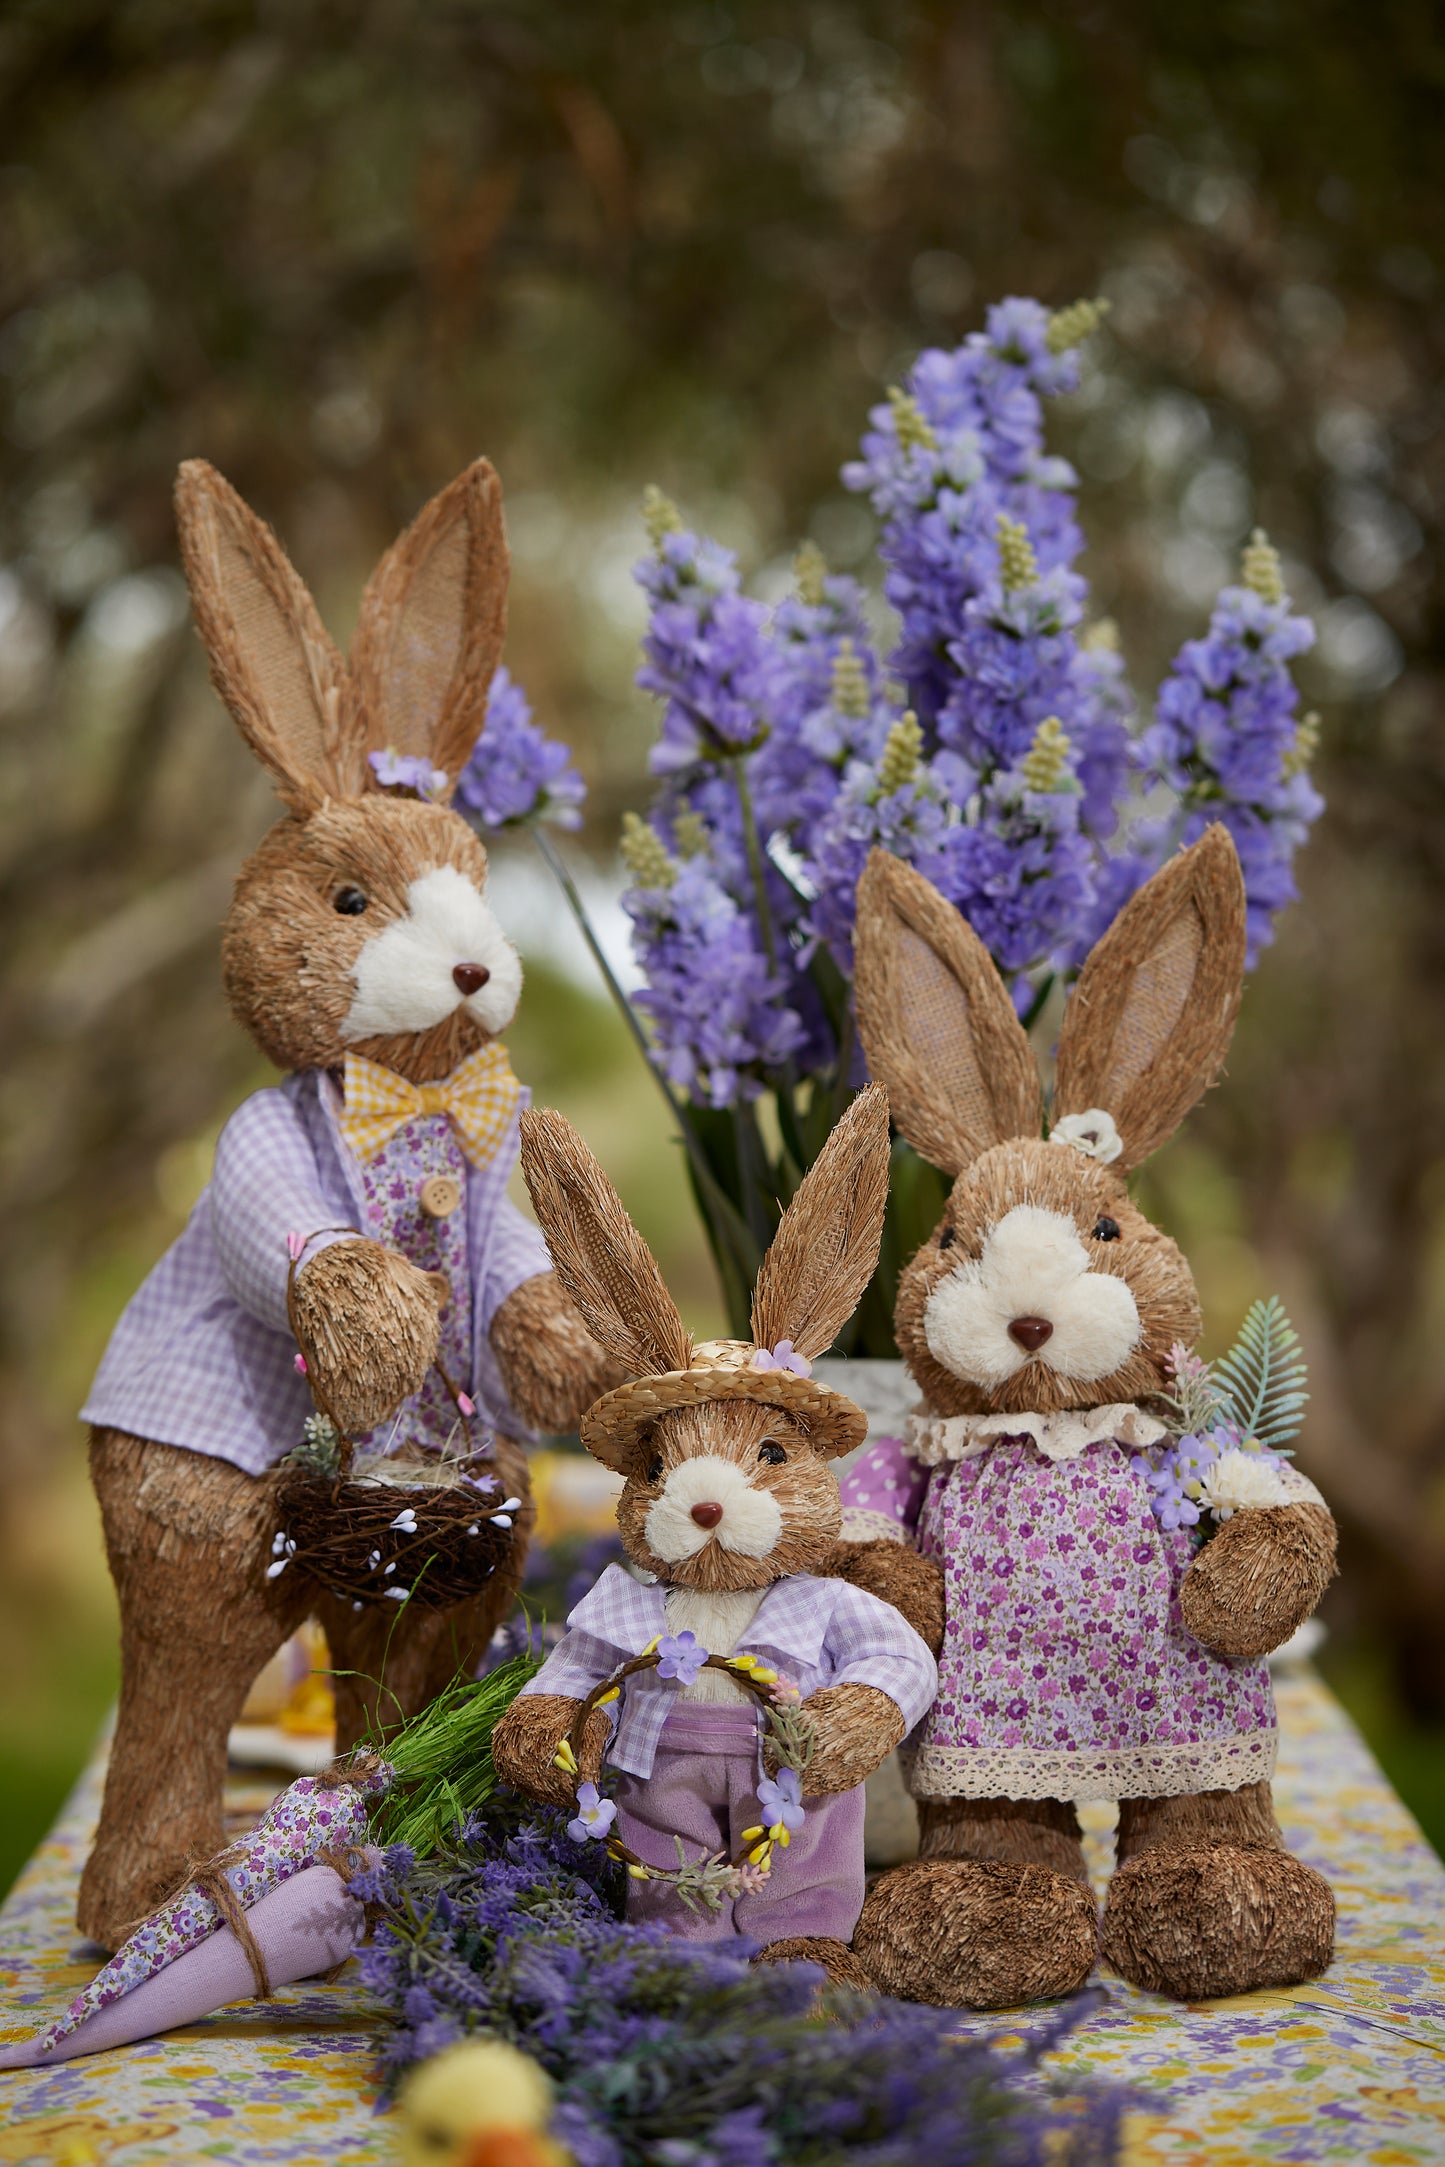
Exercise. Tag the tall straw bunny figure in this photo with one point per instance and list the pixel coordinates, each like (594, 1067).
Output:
(359, 1208)
(1088, 1650)
(730, 1508)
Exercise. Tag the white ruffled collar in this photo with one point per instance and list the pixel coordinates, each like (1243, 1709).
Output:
(934, 1440)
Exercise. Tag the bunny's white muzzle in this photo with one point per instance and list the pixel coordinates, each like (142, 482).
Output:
(750, 1520)
(404, 975)
(1034, 1269)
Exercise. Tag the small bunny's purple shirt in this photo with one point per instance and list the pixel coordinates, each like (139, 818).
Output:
(203, 1355)
(815, 1632)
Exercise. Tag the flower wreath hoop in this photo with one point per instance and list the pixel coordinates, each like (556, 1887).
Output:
(368, 1536)
(714, 1880)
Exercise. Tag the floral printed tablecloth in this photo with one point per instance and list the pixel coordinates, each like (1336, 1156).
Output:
(1348, 2068)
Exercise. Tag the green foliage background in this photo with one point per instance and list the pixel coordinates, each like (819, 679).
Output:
(340, 248)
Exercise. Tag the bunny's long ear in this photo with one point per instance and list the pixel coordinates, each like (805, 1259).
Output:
(431, 625)
(1149, 1022)
(272, 660)
(601, 1259)
(826, 1247)
(936, 1021)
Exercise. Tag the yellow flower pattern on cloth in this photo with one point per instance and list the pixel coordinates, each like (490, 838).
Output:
(480, 1099)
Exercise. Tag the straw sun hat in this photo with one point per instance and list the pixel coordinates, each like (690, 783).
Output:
(720, 1369)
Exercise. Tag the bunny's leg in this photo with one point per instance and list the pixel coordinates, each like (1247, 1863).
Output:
(187, 1537)
(996, 1909)
(1206, 1900)
(389, 1661)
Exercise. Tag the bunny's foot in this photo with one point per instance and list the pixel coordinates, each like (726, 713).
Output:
(996, 1910)
(1206, 1901)
(835, 1957)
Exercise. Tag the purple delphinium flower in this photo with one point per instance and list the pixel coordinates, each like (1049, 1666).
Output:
(515, 773)
(717, 1008)
(708, 658)
(1022, 873)
(681, 1656)
(898, 803)
(1227, 739)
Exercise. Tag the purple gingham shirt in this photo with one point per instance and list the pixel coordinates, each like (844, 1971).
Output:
(816, 1632)
(203, 1354)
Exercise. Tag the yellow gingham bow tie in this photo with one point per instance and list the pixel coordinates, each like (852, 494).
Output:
(480, 1097)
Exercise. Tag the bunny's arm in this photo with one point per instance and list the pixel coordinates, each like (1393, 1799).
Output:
(525, 1741)
(1260, 1575)
(367, 1318)
(884, 1680)
(551, 1366)
(882, 1496)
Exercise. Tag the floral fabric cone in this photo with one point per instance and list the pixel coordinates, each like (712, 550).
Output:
(308, 1820)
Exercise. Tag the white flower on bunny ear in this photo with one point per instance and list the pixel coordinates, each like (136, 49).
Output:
(1092, 1133)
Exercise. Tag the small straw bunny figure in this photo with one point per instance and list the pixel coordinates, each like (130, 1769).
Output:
(1088, 1651)
(729, 1508)
(362, 957)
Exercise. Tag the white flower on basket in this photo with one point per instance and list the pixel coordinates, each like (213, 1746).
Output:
(1092, 1133)
(406, 1520)
(1239, 1481)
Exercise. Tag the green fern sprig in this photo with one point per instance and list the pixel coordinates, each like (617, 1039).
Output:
(1260, 1383)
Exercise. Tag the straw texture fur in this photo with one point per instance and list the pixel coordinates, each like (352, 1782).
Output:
(600, 1257)
(978, 1934)
(826, 1246)
(936, 1022)
(1258, 1578)
(1149, 1022)
(368, 1325)
(896, 1574)
(551, 1365)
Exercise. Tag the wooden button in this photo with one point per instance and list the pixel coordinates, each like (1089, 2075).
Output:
(440, 1196)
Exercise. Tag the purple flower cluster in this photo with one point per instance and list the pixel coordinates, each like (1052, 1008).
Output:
(684, 2055)
(1227, 740)
(718, 1009)
(1015, 787)
(515, 773)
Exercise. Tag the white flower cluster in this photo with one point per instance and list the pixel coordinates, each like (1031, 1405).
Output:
(1240, 1480)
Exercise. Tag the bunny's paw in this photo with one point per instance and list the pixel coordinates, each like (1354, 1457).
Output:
(977, 1933)
(551, 1365)
(525, 1743)
(1258, 1579)
(855, 1728)
(367, 1321)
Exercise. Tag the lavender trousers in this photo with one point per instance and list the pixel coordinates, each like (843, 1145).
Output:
(704, 1788)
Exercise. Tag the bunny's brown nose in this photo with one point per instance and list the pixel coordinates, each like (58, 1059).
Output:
(707, 1515)
(470, 977)
(1031, 1332)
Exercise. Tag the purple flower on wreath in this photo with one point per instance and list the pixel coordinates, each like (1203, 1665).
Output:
(515, 773)
(595, 1815)
(781, 1799)
(681, 1656)
(408, 771)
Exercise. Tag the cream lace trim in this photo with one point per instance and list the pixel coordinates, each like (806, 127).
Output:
(933, 1440)
(1162, 1771)
(860, 1524)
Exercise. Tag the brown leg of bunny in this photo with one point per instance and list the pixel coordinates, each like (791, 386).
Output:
(1206, 1900)
(188, 1538)
(836, 1958)
(995, 1910)
(388, 1666)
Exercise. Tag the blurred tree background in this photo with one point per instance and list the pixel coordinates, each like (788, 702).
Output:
(340, 248)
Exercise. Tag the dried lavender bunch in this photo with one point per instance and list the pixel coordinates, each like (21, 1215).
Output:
(670, 2054)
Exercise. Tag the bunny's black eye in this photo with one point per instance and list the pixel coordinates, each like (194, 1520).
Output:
(1106, 1230)
(654, 1469)
(350, 902)
(773, 1454)
(947, 1237)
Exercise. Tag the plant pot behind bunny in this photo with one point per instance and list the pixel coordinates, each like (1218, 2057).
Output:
(1089, 1650)
(361, 955)
(729, 1507)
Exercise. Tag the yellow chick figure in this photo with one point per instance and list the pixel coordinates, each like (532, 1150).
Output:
(480, 2103)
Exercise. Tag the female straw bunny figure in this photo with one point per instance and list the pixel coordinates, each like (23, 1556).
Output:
(1088, 1652)
(362, 956)
(729, 1507)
